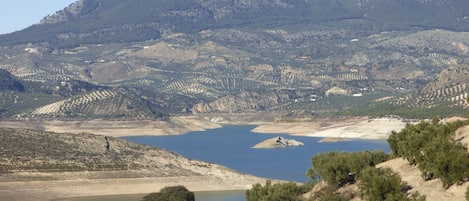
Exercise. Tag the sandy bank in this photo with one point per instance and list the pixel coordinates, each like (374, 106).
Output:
(50, 190)
(340, 127)
(116, 128)
(334, 139)
(343, 128)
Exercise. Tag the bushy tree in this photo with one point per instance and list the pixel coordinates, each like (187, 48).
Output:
(381, 184)
(384, 185)
(276, 192)
(339, 168)
(172, 193)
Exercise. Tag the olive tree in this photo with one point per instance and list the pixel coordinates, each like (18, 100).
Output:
(172, 193)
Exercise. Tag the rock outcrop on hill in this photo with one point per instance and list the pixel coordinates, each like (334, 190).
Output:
(247, 102)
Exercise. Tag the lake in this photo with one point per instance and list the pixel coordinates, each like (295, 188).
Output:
(231, 146)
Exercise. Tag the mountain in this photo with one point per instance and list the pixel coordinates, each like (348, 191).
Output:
(104, 21)
(181, 56)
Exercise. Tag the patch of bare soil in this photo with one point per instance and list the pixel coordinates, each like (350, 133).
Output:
(462, 135)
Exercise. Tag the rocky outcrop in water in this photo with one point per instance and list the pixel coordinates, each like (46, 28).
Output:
(278, 142)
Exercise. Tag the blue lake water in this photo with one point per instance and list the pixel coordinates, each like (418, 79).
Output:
(231, 146)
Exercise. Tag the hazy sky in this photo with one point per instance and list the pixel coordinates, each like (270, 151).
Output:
(19, 14)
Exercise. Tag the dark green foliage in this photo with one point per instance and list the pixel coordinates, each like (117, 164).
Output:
(383, 184)
(276, 192)
(431, 146)
(339, 168)
(172, 193)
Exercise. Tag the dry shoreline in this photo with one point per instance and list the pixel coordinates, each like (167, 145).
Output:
(60, 189)
(343, 128)
(118, 128)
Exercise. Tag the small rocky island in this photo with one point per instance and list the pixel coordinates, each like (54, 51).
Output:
(278, 142)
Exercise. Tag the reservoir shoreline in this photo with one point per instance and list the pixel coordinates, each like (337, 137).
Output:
(339, 127)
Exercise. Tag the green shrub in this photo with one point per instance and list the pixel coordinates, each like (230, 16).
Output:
(340, 168)
(276, 192)
(384, 184)
(381, 184)
(173, 193)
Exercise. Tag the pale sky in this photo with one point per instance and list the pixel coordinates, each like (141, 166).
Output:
(16, 15)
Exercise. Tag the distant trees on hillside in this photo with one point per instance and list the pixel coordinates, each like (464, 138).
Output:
(383, 108)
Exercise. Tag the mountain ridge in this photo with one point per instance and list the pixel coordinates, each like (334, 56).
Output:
(107, 17)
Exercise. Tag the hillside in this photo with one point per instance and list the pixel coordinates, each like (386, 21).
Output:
(180, 57)
(38, 165)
